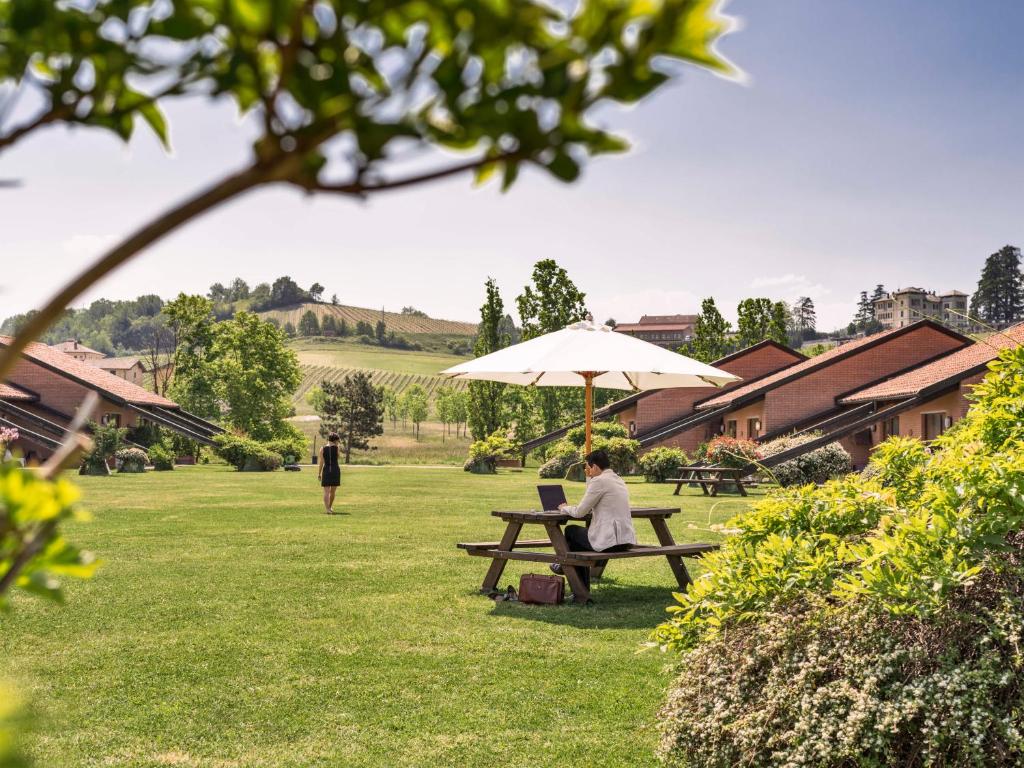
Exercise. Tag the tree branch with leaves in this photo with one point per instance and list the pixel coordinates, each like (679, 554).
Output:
(339, 87)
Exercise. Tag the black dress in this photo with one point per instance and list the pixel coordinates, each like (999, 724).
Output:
(331, 474)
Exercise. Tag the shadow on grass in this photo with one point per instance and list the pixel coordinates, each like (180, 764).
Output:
(615, 606)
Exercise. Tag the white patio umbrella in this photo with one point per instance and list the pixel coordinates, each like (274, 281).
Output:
(594, 356)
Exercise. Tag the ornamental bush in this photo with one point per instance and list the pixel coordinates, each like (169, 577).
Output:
(558, 465)
(659, 464)
(622, 452)
(485, 454)
(131, 460)
(106, 440)
(727, 451)
(875, 620)
(607, 429)
(817, 466)
(245, 454)
(162, 458)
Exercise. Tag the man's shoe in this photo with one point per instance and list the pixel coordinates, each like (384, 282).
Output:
(556, 568)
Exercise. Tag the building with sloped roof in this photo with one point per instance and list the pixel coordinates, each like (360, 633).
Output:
(78, 350)
(925, 401)
(807, 395)
(46, 387)
(669, 331)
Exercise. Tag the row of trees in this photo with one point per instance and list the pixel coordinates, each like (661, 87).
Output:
(355, 409)
(758, 319)
(283, 292)
(311, 325)
(552, 301)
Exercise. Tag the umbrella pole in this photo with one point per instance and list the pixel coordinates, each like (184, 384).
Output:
(588, 407)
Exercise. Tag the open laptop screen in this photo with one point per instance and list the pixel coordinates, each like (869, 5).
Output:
(551, 496)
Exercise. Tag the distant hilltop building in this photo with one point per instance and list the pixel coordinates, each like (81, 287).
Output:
(669, 331)
(904, 306)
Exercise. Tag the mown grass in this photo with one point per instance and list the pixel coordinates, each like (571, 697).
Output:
(232, 624)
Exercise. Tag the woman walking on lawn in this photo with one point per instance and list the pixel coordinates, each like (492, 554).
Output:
(330, 471)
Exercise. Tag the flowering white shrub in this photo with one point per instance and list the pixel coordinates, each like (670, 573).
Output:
(817, 466)
(852, 687)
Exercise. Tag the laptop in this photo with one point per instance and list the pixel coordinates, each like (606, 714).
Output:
(551, 496)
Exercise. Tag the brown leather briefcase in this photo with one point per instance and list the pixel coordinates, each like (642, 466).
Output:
(541, 590)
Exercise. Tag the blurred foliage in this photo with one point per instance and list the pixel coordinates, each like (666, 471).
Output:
(513, 80)
(33, 554)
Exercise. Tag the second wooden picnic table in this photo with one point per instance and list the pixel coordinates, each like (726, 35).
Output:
(710, 479)
(512, 548)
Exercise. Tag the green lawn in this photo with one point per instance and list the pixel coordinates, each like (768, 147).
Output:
(233, 625)
(351, 354)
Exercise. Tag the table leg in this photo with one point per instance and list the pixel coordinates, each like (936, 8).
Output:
(679, 485)
(714, 489)
(740, 488)
(497, 565)
(674, 561)
(580, 594)
(704, 489)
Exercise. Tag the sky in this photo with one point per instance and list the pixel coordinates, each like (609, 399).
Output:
(873, 142)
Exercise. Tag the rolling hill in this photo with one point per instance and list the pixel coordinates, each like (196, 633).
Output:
(333, 359)
(397, 322)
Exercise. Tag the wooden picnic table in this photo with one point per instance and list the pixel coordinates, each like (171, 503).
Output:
(511, 547)
(710, 479)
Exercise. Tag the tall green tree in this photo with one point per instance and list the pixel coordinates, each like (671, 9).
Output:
(760, 319)
(486, 409)
(805, 316)
(353, 408)
(256, 375)
(193, 384)
(710, 334)
(780, 323)
(999, 298)
(308, 324)
(551, 303)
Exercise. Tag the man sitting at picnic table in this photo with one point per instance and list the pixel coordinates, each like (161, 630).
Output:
(611, 525)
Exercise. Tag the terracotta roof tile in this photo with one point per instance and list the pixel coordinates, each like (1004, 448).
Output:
(807, 366)
(11, 392)
(954, 366)
(90, 375)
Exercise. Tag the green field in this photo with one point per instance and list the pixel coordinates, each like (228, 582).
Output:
(351, 354)
(232, 624)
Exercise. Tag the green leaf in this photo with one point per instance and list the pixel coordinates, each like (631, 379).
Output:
(151, 114)
(564, 167)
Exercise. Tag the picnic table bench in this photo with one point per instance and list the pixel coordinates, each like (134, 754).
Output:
(511, 547)
(710, 479)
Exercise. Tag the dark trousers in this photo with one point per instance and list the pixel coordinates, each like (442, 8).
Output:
(579, 540)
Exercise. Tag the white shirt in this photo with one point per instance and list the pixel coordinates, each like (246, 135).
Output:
(607, 499)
